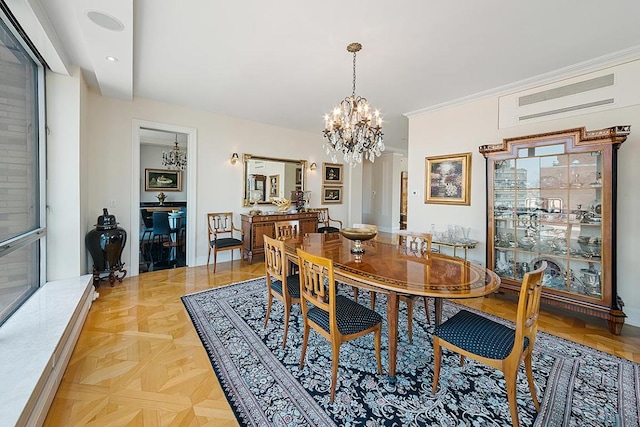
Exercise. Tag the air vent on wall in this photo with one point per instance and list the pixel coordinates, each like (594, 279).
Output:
(598, 91)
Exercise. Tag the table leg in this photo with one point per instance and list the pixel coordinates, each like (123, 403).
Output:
(392, 321)
(438, 305)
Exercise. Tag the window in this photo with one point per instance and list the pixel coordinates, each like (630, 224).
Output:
(22, 223)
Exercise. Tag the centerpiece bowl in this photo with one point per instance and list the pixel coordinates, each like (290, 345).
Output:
(358, 235)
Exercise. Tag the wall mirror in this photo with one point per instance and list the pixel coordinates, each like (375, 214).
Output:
(267, 177)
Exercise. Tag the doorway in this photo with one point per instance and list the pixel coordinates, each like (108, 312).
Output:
(404, 182)
(139, 127)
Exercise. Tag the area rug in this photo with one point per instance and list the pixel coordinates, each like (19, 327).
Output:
(578, 386)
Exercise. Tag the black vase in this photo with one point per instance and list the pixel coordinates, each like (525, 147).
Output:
(105, 244)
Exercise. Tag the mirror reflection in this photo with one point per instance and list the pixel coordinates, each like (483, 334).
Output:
(268, 177)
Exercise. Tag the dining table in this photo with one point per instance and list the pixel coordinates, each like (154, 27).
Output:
(392, 270)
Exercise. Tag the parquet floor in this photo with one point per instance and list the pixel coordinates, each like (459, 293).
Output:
(139, 361)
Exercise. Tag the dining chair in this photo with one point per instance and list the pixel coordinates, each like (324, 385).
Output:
(324, 221)
(335, 317)
(146, 235)
(494, 344)
(161, 231)
(280, 284)
(418, 245)
(221, 236)
(287, 229)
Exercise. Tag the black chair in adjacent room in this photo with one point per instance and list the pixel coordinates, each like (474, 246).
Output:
(162, 232)
(146, 234)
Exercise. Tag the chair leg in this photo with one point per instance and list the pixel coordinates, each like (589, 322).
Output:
(269, 301)
(410, 319)
(287, 310)
(510, 377)
(532, 384)
(355, 294)
(335, 361)
(377, 339)
(461, 360)
(426, 308)
(437, 355)
(305, 338)
(215, 259)
(209, 255)
(373, 300)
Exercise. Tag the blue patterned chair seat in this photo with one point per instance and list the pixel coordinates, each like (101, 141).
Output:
(226, 242)
(293, 285)
(478, 335)
(328, 229)
(351, 316)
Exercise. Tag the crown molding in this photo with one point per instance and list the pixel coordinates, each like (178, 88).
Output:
(595, 64)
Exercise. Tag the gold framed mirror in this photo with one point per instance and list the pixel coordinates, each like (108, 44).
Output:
(267, 177)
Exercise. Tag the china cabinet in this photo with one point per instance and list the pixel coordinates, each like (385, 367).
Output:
(552, 197)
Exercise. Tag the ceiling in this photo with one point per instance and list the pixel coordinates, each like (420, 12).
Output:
(285, 62)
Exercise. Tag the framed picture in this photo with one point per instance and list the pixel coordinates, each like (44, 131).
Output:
(448, 179)
(161, 179)
(274, 185)
(331, 194)
(332, 173)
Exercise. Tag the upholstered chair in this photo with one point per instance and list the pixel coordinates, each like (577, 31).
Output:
(335, 317)
(494, 344)
(326, 224)
(222, 236)
(281, 285)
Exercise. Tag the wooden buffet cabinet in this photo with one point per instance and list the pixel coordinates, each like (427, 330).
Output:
(552, 197)
(255, 227)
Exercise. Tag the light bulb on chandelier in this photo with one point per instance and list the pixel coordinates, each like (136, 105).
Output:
(175, 158)
(352, 128)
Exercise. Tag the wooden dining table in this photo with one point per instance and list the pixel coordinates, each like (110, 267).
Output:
(389, 269)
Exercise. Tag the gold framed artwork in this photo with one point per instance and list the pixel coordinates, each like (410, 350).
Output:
(162, 179)
(274, 185)
(448, 179)
(331, 173)
(331, 194)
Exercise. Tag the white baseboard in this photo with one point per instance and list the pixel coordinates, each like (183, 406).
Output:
(38, 341)
(633, 316)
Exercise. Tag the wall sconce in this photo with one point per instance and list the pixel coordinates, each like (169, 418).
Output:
(313, 166)
(234, 158)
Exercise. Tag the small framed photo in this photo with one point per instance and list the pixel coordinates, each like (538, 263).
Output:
(331, 194)
(298, 176)
(448, 179)
(332, 173)
(163, 180)
(274, 185)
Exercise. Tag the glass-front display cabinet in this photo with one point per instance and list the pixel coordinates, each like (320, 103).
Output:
(552, 197)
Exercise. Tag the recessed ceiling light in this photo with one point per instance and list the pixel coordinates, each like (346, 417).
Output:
(112, 59)
(105, 20)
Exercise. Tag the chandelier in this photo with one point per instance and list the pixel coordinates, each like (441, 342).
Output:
(175, 158)
(352, 128)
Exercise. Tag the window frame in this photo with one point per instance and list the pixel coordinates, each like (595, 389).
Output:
(39, 233)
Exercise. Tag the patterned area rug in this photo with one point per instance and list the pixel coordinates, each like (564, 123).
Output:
(578, 386)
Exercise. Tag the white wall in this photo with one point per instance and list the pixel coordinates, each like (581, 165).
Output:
(66, 220)
(219, 184)
(463, 128)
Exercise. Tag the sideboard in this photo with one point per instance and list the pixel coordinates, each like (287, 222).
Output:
(255, 227)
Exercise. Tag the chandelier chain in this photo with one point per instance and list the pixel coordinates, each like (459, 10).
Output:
(353, 93)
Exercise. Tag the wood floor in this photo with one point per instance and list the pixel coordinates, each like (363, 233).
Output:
(139, 361)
